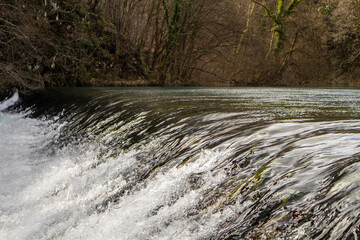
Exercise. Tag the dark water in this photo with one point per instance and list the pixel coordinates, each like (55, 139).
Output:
(181, 163)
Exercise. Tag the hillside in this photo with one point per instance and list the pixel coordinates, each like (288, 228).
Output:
(61, 43)
(54, 43)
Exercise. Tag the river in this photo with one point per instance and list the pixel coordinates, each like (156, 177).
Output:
(180, 163)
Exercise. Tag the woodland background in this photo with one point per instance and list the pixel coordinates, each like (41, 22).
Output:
(51, 43)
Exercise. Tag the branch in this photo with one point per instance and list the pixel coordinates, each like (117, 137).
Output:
(291, 6)
(166, 12)
(281, 6)
(210, 73)
(268, 13)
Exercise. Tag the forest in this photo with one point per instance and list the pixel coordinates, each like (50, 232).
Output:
(52, 43)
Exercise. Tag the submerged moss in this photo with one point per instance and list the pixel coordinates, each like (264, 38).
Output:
(255, 178)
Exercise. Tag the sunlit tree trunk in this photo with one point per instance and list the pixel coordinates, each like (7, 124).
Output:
(250, 13)
(278, 19)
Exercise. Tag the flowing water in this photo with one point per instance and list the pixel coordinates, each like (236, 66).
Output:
(181, 163)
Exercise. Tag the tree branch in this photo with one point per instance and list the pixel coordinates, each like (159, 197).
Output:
(291, 6)
(268, 13)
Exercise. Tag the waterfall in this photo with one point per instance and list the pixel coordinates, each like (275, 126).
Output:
(180, 163)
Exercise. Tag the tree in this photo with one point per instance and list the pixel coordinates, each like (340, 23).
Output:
(279, 19)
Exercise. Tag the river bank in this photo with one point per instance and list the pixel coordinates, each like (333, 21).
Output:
(62, 43)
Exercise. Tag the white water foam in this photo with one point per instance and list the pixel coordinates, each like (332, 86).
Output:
(10, 101)
(21, 141)
(55, 196)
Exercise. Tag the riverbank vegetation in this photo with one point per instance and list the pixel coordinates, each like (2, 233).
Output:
(52, 43)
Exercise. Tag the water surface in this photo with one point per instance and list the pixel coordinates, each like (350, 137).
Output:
(181, 163)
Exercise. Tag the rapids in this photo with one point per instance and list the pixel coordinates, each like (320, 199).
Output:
(180, 163)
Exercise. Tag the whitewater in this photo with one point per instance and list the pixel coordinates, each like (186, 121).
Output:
(180, 163)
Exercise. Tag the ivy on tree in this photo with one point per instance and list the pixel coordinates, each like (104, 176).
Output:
(278, 19)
